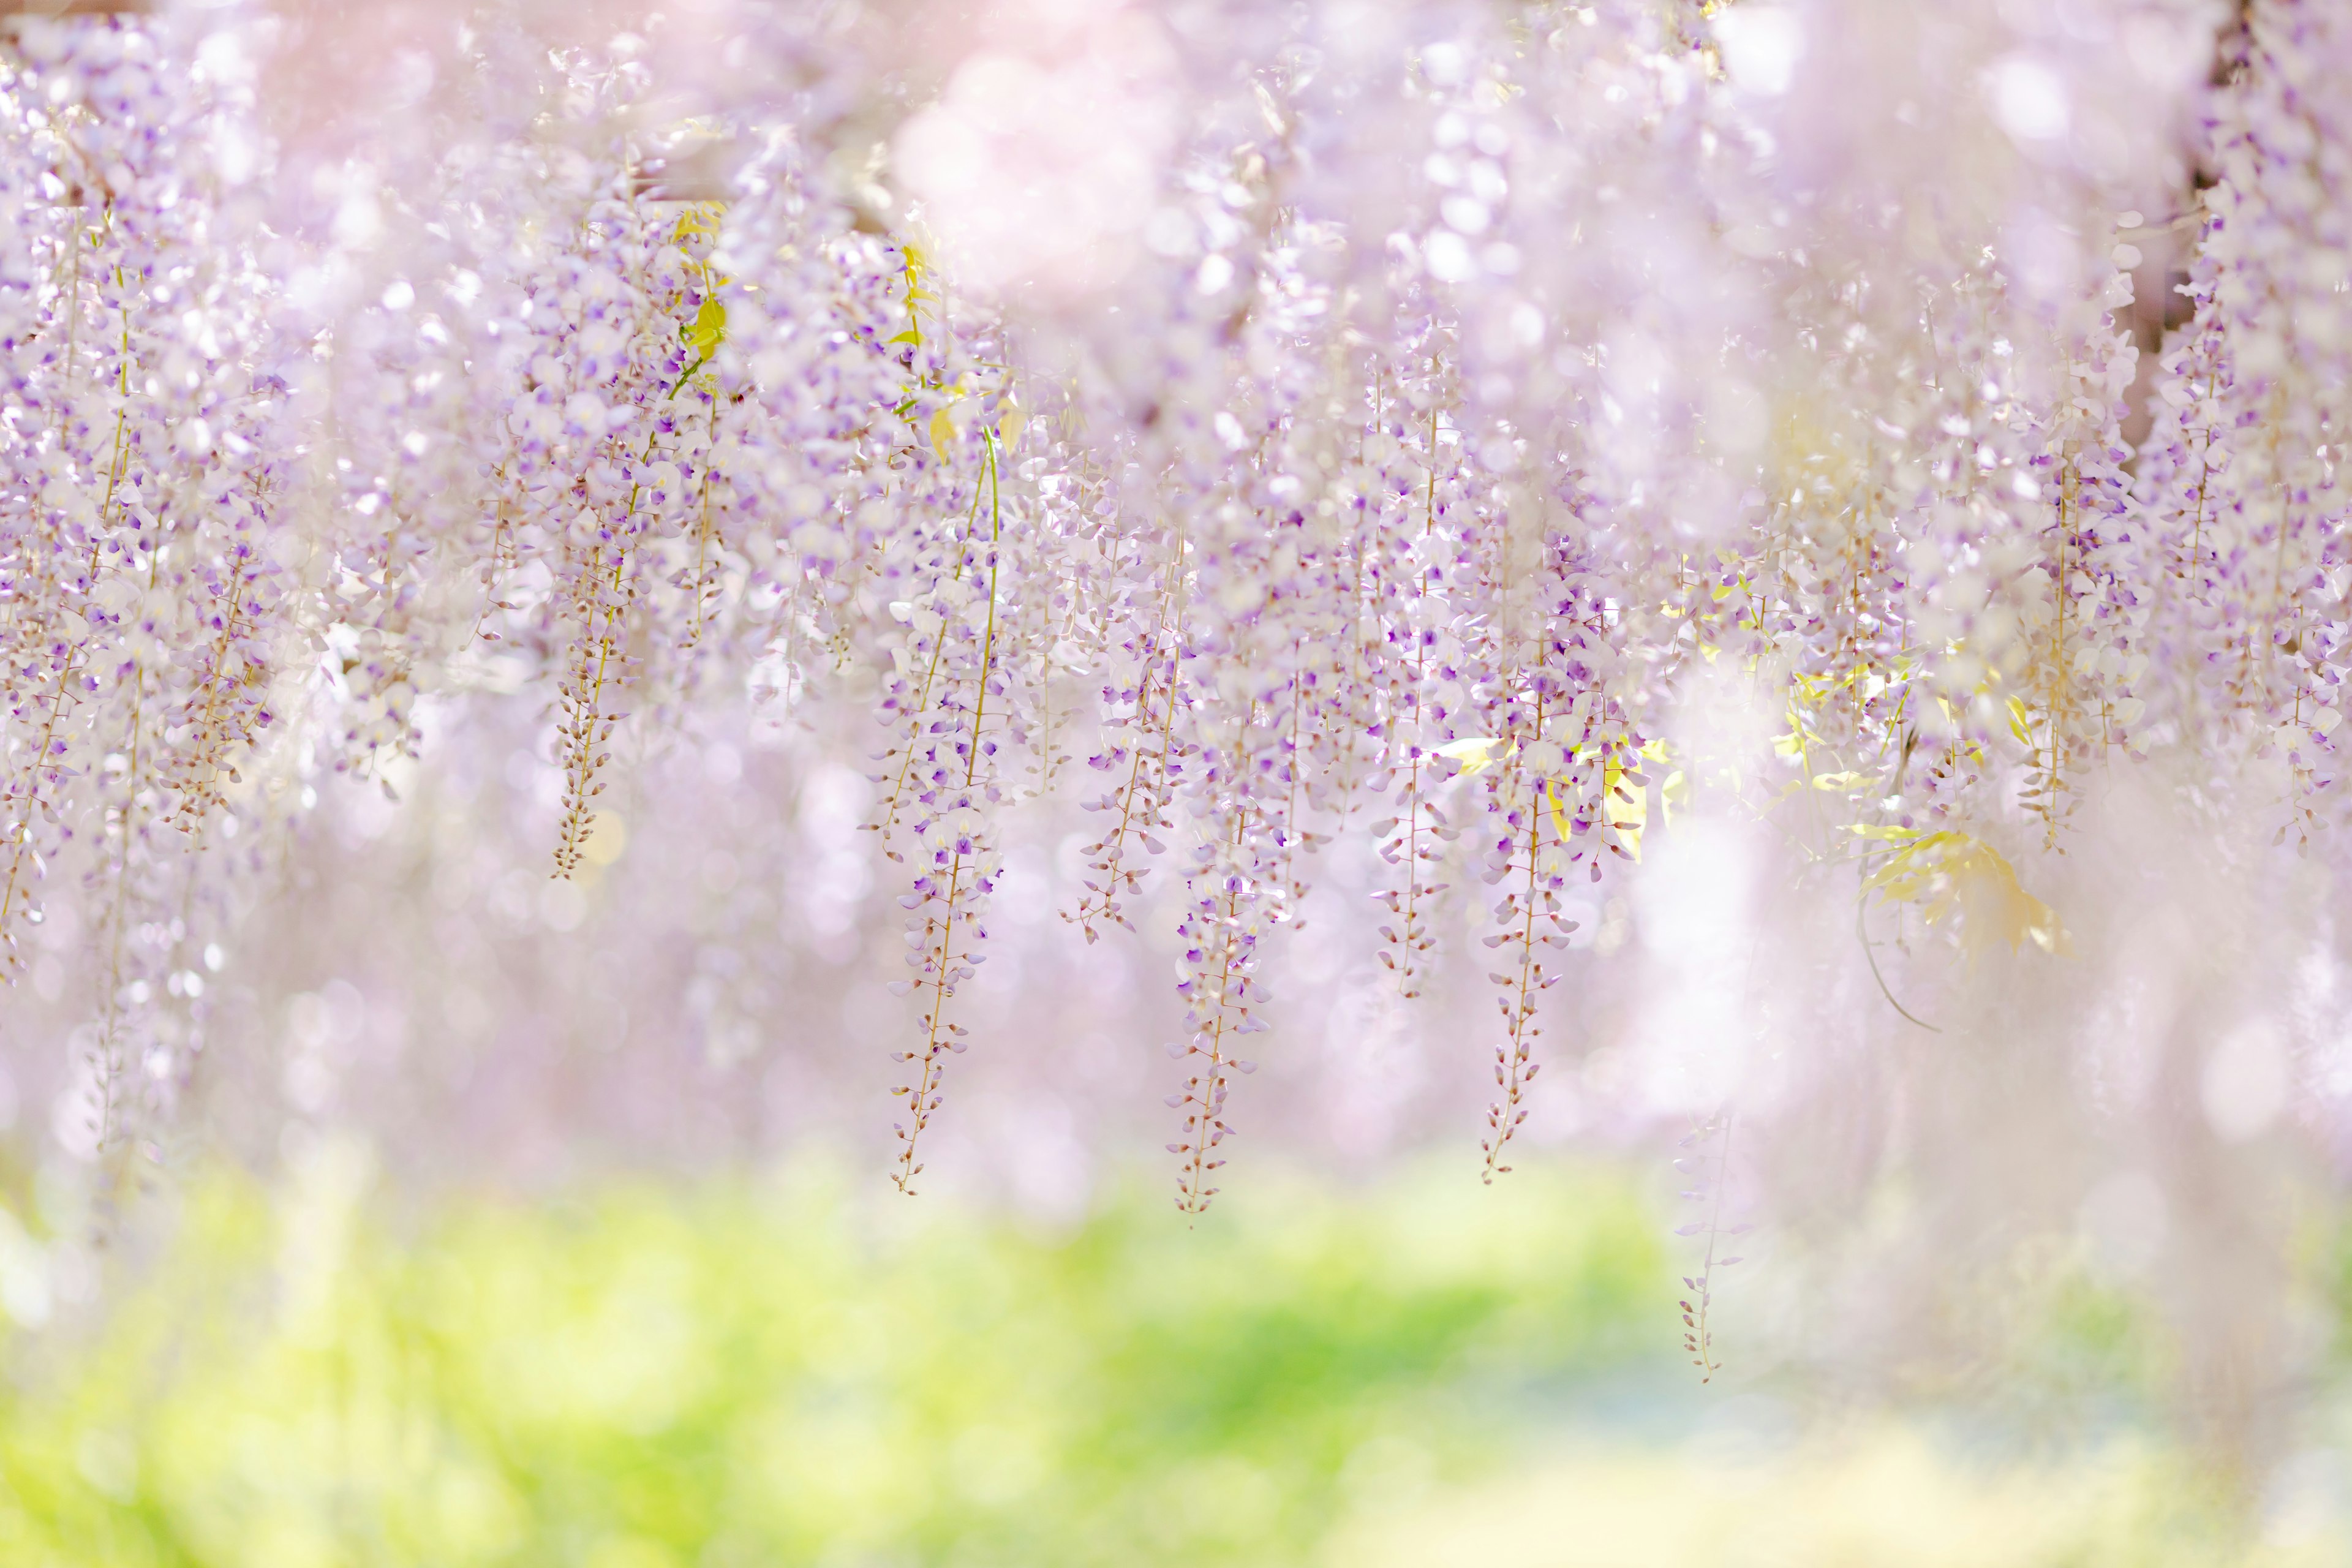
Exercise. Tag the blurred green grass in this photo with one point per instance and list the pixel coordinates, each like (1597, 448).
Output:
(779, 1372)
(795, 1369)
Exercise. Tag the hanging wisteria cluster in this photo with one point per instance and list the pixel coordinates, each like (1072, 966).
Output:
(1515, 438)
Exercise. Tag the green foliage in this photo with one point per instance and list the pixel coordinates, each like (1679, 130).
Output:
(709, 329)
(1946, 872)
(790, 1373)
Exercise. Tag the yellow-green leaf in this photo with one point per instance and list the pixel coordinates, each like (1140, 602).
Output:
(699, 218)
(1946, 872)
(710, 329)
(1628, 812)
(1558, 811)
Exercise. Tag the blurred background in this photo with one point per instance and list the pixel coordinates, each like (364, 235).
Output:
(504, 1220)
(787, 1365)
(549, 1224)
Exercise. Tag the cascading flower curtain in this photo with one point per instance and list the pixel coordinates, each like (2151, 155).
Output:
(1852, 486)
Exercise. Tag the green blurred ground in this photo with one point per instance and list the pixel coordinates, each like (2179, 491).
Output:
(786, 1373)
